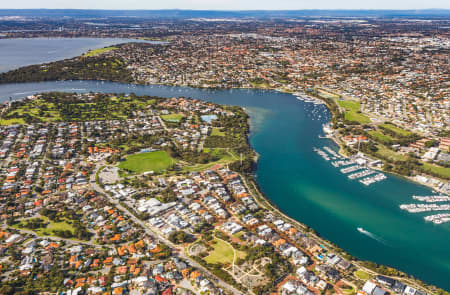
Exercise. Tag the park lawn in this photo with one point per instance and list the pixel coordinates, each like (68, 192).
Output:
(51, 226)
(443, 172)
(222, 253)
(352, 108)
(385, 152)
(362, 274)
(152, 161)
(12, 121)
(264, 84)
(349, 105)
(99, 51)
(172, 117)
(397, 130)
(216, 132)
(356, 117)
(226, 157)
(380, 136)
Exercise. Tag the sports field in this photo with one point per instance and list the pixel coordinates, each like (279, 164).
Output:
(152, 161)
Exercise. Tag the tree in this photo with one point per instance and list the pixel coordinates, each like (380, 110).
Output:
(179, 237)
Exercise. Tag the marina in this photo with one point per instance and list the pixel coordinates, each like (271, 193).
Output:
(333, 153)
(419, 208)
(429, 206)
(432, 199)
(351, 169)
(341, 163)
(350, 166)
(322, 154)
(438, 218)
(361, 174)
(308, 99)
(373, 179)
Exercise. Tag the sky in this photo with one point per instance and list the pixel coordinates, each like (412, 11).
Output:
(228, 4)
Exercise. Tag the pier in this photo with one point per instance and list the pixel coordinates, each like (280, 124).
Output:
(432, 199)
(351, 169)
(418, 208)
(369, 180)
(438, 218)
(361, 174)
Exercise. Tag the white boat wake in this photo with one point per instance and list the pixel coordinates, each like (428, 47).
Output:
(371, 235)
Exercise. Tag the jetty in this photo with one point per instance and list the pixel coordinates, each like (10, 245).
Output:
(361, 174)
(418, 208)
(438, 218)
(372, 179)
(432, 199)
(351, 169)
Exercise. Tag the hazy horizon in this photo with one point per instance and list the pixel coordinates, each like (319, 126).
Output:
(229, 5)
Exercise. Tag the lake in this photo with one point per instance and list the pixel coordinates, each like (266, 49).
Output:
(284, 131)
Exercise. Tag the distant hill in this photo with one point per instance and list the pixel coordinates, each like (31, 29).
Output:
(184, 14)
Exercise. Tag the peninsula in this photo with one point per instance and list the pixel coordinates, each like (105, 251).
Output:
(129, 184)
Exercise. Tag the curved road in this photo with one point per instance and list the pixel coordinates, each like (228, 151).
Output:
(159, 238)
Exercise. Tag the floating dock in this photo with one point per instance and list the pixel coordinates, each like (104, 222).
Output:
(361, 174)
(432, 199)
(349, 166)
(419, 208)
(372, 179)
(438, 218)
(351, 169)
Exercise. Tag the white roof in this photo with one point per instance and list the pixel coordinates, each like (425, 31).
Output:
(369, 287)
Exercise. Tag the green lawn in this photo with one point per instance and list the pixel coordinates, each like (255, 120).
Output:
(441, 171)
(349, 105)
(380, 136)
(356, 117)
(396, 129)
(362, 274)
(222, 253)
(51, 226)
(172, 117)
(225, 157)
(99, 51)
(384, 151)
(216, 132)
(12, 121)
(256, 84)
(352, 108)
(152, 161)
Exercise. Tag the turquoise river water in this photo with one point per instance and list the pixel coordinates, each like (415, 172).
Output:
(284, 131)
